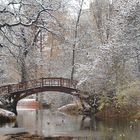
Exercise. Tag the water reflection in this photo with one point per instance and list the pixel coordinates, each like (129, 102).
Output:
(48, 123)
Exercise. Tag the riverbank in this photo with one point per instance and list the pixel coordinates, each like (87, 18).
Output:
(126, 112)
(6, 116)
(28, 136)
(107, 112)
(23, 134)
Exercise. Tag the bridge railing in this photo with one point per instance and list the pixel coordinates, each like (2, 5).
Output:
(38, 83)
(65, 82)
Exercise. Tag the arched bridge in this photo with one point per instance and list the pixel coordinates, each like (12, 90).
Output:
(11, 94)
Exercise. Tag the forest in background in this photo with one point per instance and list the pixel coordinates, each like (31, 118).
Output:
(98, 45)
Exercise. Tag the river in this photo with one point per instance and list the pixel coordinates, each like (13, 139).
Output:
(52, 123)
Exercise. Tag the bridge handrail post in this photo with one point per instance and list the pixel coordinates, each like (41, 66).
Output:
(61, 82)
(69, 83)
(75, 84)
(17, 87)
(42, 80)
(25, 85)
(9, 88)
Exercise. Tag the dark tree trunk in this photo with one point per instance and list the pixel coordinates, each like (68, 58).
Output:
(23, 72)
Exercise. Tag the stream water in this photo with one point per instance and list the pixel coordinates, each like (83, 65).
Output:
(49, 123)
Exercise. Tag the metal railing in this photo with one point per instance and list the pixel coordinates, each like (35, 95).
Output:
(38, 83)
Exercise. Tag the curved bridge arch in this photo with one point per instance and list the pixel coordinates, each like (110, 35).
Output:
(11, 94)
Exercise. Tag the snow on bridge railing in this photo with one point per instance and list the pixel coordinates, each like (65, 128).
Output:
(38, 83)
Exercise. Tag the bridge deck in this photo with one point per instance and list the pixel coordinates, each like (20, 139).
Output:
(39, 83)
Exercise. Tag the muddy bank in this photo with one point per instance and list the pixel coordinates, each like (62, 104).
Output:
(23, 136)
(27, 136)
(108, 112)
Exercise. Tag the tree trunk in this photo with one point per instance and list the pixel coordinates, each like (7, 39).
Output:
(75, 42)
(23, 71)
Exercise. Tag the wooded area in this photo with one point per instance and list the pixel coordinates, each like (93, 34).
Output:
(95, 42)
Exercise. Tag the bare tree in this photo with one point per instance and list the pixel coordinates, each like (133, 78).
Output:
(75, 39)
(20, 27)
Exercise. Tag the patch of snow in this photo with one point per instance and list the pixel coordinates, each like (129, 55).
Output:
(6, 113)
(26, 100)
